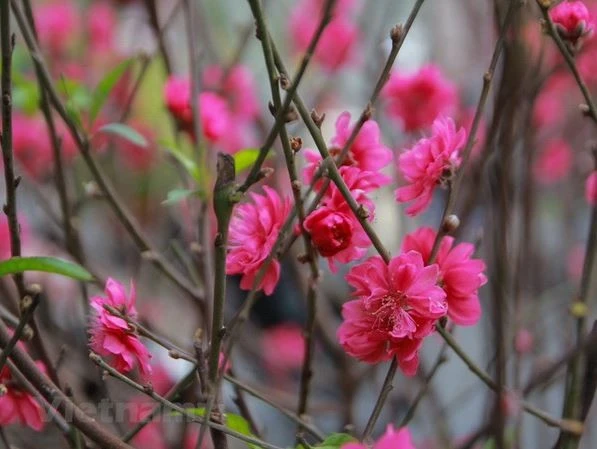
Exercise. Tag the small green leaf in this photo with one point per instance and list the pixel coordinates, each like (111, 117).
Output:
(177, 195)
(189, 165)
(241, 425)
(124, 131)
(104, 87)
(335, 440)
(245, 158)
(46, 264)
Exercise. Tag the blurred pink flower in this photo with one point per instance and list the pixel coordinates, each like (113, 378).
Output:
(283, 348)
(552, 100)
(418, 99)
(111, 336)
(397, 306)
(391, 439)
(575, 261)
(572, 20)
(31, 145)
(428, 162)
(338, 41)
(57, 24)
(591, 188)
(524, 341)
(367, 152)
(554, 162)
(459, 275)
(334, 229)
(214, 114)
(101, 26)
(240, 93)
(254, 229)
(238, 87)
(17, 405)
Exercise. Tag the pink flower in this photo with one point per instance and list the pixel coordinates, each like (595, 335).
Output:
(334, 229)
(102, 26)
(57, 24)
(418, 99)
(111, 336)
(591, 188)
(524, 341)
(17, 405)
(466, 121)
(283, 348)
(336, 46)
(214, 114)
(572, 20)
(391, 439)
(32, 146)
(397, 306)
(428, 162)
(254, 229)
(552, 100)
(238, 87)
(554, 162)
(367, 152)
(459, 275)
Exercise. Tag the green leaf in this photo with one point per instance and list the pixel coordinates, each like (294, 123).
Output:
(177, 195)
(189, 165)
(46, 264)
(25, 96)
(233, 422)
(124, 131)
(336, 440)
(241, 425)
(104, 87)
(245, 158)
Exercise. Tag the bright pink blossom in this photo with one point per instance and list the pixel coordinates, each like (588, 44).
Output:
(391, 439)
(397, 306)
(31, 145)
(112, 336)
(283, 348)
(418, 99)
(57, 24)
(554, 162)
(17, 405)
(334, 229)
(367, 152)
(460, 275)
(101, 26)
(572, 20)
(336, 46)
(428, 162)
(254, 229)
(591, 188)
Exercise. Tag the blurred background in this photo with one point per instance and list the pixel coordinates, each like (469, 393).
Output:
(522, 202)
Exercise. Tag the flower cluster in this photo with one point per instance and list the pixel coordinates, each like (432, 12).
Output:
(112, 336)
(397, 305)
